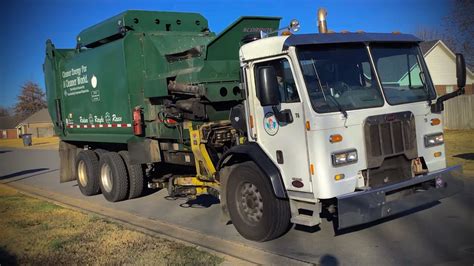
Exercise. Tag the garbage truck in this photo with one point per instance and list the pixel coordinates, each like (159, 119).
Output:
(283, 128)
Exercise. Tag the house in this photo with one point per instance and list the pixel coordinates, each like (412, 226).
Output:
(441, 63)
(7, 127)
(38, 124)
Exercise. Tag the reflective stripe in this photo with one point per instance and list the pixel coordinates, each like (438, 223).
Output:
(99, 126)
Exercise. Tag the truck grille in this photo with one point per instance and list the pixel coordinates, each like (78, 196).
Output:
(389, 135)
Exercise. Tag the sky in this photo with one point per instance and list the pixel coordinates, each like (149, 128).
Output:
(27, 24)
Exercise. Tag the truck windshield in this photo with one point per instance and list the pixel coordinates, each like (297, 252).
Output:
(401, 73)
(339, 77)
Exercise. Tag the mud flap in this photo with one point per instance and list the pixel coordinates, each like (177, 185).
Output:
(371, 205)
(67, 161)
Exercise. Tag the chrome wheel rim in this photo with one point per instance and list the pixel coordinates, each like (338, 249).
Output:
(251, 203)
(106, 177)
(82, 173)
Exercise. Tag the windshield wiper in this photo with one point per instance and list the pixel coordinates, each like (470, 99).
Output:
(339, 106)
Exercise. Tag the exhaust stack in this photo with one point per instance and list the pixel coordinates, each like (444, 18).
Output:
(322, 24)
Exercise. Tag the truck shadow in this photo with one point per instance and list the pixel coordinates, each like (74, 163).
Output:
(465, 156)
(6, 258)
(307, 229)
(149, 191)
(338, 232)
(23, 172)
(5, 151)
(203, 201)
(146, 191)
(29, 176)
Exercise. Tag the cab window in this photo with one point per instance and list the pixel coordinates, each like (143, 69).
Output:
(286, 82)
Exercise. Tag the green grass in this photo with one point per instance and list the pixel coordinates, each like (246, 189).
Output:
(459, 146)
(61, 243)
(37, 232)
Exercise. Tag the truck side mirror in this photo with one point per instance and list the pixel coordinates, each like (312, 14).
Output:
(267, 83)
(460, 71)
(461, 77)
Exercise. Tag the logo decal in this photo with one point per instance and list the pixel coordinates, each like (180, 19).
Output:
(94, 81)
(108, 120)
(270, 124)
(91, 119)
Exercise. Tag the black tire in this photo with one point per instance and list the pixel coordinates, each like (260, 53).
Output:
(87, 172)
(135, 176)
(100, 152)
(113, 177)
(253, 208)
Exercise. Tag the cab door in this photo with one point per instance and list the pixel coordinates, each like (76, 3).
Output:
(284, 143)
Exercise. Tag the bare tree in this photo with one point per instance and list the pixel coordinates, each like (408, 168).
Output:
(457, 31)
(460, 23)
(4, 111)
(430, 34)
(30, 100)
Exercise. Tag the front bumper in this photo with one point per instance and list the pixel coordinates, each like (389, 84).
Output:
(371, 205)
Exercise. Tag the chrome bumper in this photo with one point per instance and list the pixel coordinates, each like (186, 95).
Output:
(366, 206)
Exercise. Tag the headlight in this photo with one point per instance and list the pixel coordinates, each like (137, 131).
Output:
(344, 157)
(434, 140)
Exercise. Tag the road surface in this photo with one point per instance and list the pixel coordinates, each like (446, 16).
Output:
(442, 233)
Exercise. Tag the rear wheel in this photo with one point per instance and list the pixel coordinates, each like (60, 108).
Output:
(135, 176)
(254, 210)
(113, 177)
(87, 172)
(100, 152)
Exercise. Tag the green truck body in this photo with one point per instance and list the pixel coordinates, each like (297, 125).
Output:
(131, 60)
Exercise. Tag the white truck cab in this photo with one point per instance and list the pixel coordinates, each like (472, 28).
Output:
(349, 122)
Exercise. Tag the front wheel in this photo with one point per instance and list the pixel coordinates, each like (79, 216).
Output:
(253, 208)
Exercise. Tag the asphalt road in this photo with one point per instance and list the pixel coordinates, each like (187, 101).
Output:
(442, 233)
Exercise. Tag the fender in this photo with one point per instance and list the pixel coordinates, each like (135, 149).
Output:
(252, 151)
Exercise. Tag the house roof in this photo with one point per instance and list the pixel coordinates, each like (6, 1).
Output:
(8, 122)
(42, 116)
(427, 46)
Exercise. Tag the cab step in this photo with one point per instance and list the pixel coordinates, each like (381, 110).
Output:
(305, 213)
(305, 220)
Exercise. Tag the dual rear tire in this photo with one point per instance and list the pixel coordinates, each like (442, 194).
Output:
(113, 177)
(135, 176)
(87, 172)
(110, 173)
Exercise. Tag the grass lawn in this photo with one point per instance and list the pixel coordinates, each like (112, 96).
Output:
(36, 232)
(460, 148)
(38, 143)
